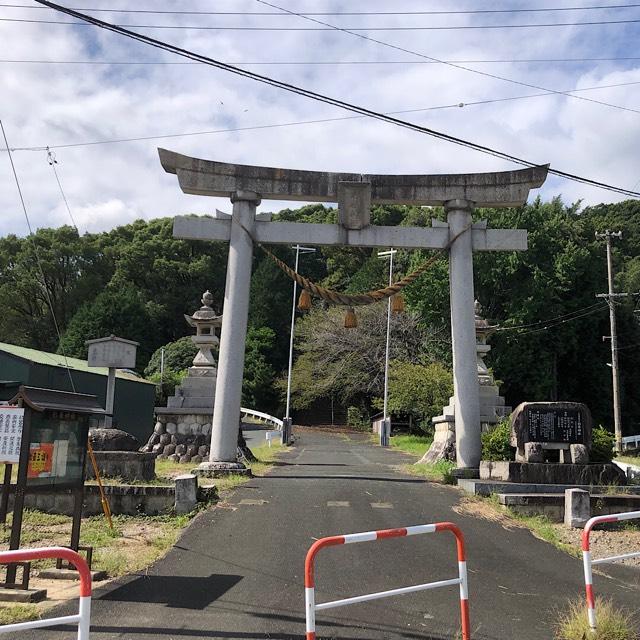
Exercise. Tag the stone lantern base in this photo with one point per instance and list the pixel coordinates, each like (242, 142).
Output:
(181, 435)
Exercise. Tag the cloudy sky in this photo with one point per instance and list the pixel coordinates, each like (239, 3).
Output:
(109, 184)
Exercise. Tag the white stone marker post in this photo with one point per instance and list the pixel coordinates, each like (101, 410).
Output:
(226, 411)
(463, 334)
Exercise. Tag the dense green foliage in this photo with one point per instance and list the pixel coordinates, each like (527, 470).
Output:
(602, 445)
(418, 390)
(138, 281)
(496, 443)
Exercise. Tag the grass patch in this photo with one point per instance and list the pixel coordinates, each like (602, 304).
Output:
(415, 445)
(437, 472)
(546, 530)
(14, 613)
(134, 543)
(612, 623)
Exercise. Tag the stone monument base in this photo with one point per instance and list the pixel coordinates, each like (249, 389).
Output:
(552, 473)
(127, 465)
(220, 469)
(181, 435)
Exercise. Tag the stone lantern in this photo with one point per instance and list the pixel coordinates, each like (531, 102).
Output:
(183, 427)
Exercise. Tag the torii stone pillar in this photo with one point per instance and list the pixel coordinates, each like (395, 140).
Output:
(354, 193)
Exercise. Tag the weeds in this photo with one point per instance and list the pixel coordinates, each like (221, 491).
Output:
(612, 623)
(440, 471)
(415, 445)
(14, 613)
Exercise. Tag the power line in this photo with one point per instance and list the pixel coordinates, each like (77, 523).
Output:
(455, 105)
(350, 29)
(340, 13)
(600, 305)
(552, 325)
(322, 62)
(47, 294)
(424, 56)
(328, 100)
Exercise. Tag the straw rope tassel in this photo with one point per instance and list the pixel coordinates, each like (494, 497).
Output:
(335, 297)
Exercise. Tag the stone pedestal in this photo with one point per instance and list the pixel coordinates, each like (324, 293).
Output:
(181, 434)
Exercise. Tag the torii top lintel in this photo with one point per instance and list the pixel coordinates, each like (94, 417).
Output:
(211, 178)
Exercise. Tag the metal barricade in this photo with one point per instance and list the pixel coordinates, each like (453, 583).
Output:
(83, 618)
(309, 581)
(588, 562)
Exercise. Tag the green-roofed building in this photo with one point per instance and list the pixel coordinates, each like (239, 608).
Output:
(134, 396)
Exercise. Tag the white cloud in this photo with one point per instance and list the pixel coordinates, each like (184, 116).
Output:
(112, 184)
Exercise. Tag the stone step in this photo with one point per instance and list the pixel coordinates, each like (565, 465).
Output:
(487, 487)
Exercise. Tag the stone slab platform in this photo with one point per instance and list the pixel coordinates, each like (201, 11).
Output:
(69, 574)
(551, 473)
(487, 487)
(22, 595)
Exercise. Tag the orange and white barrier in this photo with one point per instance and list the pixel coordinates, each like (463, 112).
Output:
(588, 562)
(83, 617)
(309, 581)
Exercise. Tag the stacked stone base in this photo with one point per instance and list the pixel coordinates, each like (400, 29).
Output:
(180, 437)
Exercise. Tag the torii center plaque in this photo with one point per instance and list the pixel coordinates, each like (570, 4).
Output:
(246, 186)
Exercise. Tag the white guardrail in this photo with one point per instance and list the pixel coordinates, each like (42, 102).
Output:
(264, 417)
(631, 442)
(83, 618)
(588, 562)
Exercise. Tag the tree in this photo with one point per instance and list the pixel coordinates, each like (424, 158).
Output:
(349, 363)
(419, 390)
(258, 390)
(119, 311)
(178, 356)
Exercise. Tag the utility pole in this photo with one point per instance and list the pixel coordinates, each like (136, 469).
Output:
(287, 426)
(385, 429)
(610, 298)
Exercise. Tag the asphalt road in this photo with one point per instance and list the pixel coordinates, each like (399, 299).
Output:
(237, 572)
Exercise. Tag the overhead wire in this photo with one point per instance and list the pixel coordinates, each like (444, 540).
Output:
(46, 291)
(465, 27)
(551, 325)
(548, 320)
(425, 56)
(456, 105)
(324, 62)
(329, 100)
(343, 13)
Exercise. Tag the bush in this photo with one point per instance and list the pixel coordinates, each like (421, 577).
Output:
(496, 443)
(358, 418)
(613, 623)
(602, 447)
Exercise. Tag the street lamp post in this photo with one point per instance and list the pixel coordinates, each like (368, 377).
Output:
(287, 426)
(385, 430)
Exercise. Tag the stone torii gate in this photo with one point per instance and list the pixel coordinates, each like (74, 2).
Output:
(246, 186)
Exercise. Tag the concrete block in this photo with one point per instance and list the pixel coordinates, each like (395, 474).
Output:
(159, 428)
(186, 493)
(206, 428)
(194, 428)
(171, 427)
(533, 452)
(579, 454)
(577, 508)
(183, 428)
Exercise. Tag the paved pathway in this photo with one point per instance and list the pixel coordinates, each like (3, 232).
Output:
(237, 573)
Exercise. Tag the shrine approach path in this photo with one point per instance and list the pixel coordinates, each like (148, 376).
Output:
(237, 572)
